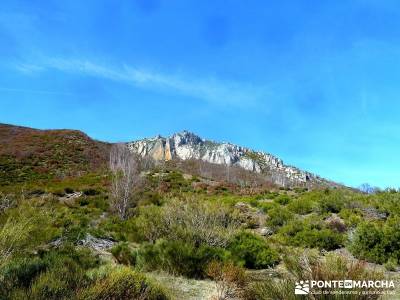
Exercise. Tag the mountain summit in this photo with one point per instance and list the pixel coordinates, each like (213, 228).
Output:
(186, 145)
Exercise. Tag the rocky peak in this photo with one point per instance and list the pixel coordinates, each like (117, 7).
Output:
(187, 145)
(186, 137)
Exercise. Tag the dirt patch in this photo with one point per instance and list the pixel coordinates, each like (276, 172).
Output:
(184, 288)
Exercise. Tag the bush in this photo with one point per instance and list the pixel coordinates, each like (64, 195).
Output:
(391, 264)
(311, 234)
(279, 216)
(19, 273)
(151, 197)
(301, 206)
(83, 201)
(90, 192)
(253, 251)
(230, 279)
(377, 243)
(332, 202)
(123, 254)
(68, 190)
(64, 274)
(190, 220)
(352, 217)
(178, 258)
(308, 266)
(323, 239)
(56, 274)
(123, 283)
(54, 285)
(266, 206)
(23, 231)
(282, 199)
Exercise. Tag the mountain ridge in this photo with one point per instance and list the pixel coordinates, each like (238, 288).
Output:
(34, 153)
(185, 145)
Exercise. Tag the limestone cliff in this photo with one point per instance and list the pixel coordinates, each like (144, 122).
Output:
(186, 145)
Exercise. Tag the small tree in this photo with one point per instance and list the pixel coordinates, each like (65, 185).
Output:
(367, 188)
(230, 280)
(125, 177)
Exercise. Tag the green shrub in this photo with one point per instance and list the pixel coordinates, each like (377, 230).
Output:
(149, 224)
(391, 264)
(82, 257)
(301, 206)
(253, 251)
(332, 202)
(90, 192)
(151, 197)
(119, 229)
(24, 229)
(352, 217)
(282, 199)
(377, 243)
(54, 285)
(322, 239)
(124, 254)
(310, 233)
(100, 202)
(83, 201)
(179, 258)
(55, 274)
(123, 283)
(64, 273)
(253, 202)
(266, 206)
(68, 190)
(19, 273)
(190, 220)
(279, 216)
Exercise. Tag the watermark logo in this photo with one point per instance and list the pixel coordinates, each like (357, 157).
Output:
(354, 287)
(348, 284)
(302, 287)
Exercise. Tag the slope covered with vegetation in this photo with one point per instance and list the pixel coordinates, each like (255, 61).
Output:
(61, 237)
(29, 155)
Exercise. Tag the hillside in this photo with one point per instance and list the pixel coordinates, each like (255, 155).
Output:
(31, 154)
(182, 235)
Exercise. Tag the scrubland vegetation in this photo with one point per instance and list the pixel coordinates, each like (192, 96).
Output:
(70, 238)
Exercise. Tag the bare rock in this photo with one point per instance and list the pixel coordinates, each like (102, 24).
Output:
(372, 213)
(70, 198)
(98, 244)
(264, 231)
(186, 145)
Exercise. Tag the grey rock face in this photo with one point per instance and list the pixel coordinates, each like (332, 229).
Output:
(186, 145)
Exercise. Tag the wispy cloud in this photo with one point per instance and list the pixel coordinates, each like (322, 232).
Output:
(32, 91)
(29, 68)
(210, 89)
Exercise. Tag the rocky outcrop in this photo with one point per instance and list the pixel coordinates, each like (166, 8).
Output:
(186, 145)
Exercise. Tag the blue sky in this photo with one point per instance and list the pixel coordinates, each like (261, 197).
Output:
(313, 82)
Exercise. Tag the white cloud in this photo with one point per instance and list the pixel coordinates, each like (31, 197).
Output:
(210, 89)
(29, 68)
(33, 91)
